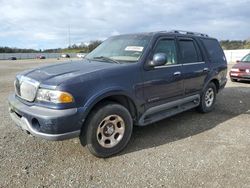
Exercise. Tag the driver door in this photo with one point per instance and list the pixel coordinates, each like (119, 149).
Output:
(164, 83)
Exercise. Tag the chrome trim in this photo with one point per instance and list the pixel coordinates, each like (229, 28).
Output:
(45, 86)
(177, 65)
(111, 129)
(23, 79)
(165, 66)
(205, 69)
(195, 63)
(177, 73)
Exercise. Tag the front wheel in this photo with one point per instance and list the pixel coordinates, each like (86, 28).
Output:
(208, 99)
(108, 131)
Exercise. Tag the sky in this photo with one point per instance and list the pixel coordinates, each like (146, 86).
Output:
(43, 24)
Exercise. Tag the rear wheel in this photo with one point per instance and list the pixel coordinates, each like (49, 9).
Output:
(109, 128)
(208, 98)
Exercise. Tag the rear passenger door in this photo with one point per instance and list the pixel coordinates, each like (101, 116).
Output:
(194, 70)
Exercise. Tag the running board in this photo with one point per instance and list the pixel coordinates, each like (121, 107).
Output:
(163, 111)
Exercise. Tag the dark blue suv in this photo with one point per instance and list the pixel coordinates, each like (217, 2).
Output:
(128, 80)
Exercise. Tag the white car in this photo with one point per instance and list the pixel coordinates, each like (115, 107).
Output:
(80, 55)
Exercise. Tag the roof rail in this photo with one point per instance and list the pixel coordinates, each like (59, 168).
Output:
(189, 33)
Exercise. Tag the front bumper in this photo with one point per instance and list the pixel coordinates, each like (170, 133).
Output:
(50, 124)
(240, 76)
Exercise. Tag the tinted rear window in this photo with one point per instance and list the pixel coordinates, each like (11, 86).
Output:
(214, 50)
(188, 51)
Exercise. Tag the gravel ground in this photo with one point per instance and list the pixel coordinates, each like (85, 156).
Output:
(187, 150)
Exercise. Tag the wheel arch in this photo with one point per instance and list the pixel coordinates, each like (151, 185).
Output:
(117, 96)
(216, 82)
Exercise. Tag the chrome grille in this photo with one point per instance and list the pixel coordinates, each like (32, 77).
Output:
(17, 86)
(26, 88)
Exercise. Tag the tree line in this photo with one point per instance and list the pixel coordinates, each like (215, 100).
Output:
(16, 50)
(235, 44)
(86, 48)
(81, 48)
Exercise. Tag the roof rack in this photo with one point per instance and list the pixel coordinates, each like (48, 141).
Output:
(189, 33)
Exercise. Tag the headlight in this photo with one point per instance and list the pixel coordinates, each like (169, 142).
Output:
(54, 96)
(235, 70)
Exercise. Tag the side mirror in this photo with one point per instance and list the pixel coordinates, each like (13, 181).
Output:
(159, 59)
(238, 61)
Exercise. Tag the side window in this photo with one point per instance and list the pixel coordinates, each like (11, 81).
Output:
(188, 51)
(214, 50)
(167, 46)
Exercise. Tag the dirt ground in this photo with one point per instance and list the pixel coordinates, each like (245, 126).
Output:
(187, 150)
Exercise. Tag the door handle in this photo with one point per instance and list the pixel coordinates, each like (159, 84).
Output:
(205, 69)
(177, 73)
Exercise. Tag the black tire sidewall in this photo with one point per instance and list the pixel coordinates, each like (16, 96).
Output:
(203, 107)
(96, 117)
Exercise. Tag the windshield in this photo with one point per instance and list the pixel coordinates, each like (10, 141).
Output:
(127, 48)
(246, 59)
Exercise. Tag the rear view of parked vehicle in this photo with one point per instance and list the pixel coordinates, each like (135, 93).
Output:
(12, 58)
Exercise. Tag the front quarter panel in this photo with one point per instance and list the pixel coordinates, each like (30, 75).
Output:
(89, 89)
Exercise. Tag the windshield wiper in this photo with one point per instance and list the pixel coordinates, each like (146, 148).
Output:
(107, 59)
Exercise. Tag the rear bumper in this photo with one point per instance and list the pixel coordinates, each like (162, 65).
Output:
(50, 124)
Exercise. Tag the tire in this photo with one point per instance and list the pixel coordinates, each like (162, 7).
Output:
(208, 99)
(108, 129)
(233, 80)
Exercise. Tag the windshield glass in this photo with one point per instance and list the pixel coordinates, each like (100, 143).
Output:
(127, 48)
(246, 58)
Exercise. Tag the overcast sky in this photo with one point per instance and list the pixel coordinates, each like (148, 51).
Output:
(42, 24)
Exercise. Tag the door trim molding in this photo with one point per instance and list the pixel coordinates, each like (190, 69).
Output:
(165, 66)
(195, 63)
(175, 105)
(178, 65)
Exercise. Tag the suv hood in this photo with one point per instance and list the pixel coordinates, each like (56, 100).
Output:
(58, 73)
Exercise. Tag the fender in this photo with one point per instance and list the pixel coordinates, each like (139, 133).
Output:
(107, 92)
(217, 77)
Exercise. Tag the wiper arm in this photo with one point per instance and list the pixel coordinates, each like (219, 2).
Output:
(107, 59)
